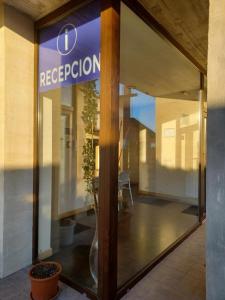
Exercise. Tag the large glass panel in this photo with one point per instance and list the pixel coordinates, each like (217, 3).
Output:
(159, 146)
(69, 68)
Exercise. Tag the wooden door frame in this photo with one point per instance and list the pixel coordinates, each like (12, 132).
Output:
(109, 138)
(109, 101)
(202, 148)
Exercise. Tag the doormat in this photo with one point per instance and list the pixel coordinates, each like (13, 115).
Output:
(191, 210)
(153, 201)
(80, 228)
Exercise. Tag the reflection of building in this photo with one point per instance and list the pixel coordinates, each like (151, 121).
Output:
(147, 159)
(168, 157)
(62, 190)
(177, 147)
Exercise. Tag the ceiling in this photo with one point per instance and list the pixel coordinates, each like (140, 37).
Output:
(149, 63)
(36, 8)
(185, 20)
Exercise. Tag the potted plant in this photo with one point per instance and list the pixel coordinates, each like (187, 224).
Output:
(89, 117)
(67, 232)
(44, 280)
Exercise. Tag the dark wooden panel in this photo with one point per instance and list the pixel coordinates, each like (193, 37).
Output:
(202, 151)
(109, 136)
(35, 155)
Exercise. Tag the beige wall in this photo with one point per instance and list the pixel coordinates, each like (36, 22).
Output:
(169, 158)
(2, 115)
(16, 139)
(147, 159)
(177, 147)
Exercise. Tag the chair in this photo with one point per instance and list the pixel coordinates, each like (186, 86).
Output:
(124, 184)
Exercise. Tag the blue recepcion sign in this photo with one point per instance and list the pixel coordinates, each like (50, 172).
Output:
(69, 50)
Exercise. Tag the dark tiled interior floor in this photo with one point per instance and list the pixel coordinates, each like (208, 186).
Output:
(145, 231)
(180, 276)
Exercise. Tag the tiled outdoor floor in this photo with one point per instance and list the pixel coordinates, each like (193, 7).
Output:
(181, 276)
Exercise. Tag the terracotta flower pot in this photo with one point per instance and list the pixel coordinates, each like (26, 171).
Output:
(47, 288)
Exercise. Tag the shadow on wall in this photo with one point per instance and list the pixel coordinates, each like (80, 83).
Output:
(175, 183)
(215, 200)
(16, 209)
(19, 23)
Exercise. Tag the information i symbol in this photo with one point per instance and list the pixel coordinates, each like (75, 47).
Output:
(66, 40)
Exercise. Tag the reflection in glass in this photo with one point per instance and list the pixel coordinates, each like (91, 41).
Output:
(158, 146)
(69, 111)
(160, 155)
(67, 211)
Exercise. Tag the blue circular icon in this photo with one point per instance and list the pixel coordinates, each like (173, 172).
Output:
(67, 39)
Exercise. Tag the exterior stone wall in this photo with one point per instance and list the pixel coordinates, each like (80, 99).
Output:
(16, 139)
(216, 153)
(2, 116)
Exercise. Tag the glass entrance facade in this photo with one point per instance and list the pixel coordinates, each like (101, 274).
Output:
(159, 137)
(159, 146)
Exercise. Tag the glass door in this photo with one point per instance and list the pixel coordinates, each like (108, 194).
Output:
(159, 147)
(69, 71)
